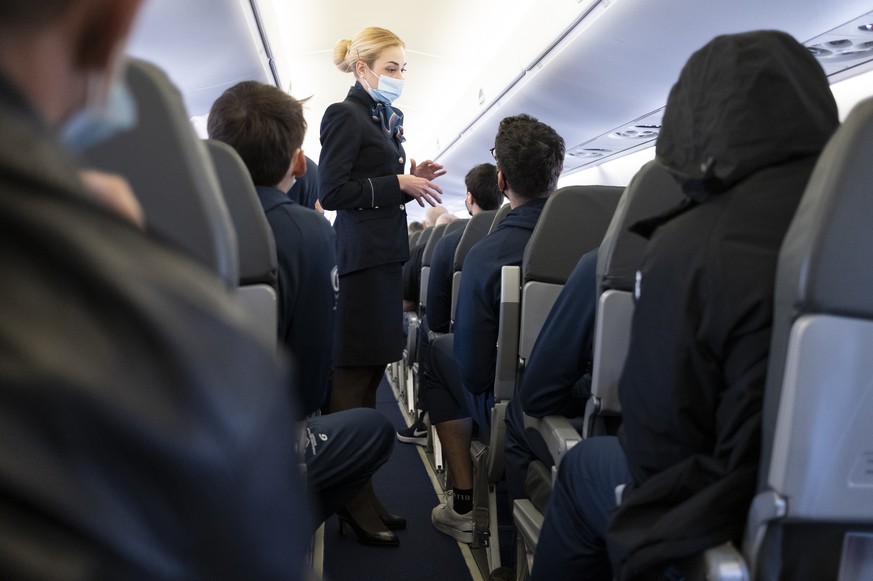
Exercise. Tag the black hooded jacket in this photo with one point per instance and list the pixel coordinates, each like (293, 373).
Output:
(743, 128)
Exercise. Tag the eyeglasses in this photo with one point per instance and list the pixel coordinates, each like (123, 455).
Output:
(493, 151)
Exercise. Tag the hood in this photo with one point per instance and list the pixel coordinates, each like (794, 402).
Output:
(744, 102)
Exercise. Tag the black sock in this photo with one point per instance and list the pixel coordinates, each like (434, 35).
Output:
(462, 500)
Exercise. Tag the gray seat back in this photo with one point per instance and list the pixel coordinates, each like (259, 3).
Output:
(652, 191)
(256, 246)
(817, 482)
(413, 239)
(435, 237)
(502, 211)
(171, 173)
(573, 222)
(476, 229)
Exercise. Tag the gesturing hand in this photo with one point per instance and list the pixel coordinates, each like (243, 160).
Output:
(423, 190)
(429, 170)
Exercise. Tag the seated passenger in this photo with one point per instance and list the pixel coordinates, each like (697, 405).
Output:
(461, 366)
(412, 267)
(266, 127)
(692, 386)
(146, 432)
(557, 379)
(304, 190)
(482, 194)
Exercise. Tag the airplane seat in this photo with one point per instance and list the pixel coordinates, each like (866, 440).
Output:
(502, 211)
(651, 192)
(435, 237)
(413, 239)
(572, 223)
(476, 229)
(171, 173)
(258, 267)
(813, 515)
(409, 360)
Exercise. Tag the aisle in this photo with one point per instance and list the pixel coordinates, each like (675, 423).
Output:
(405, 487)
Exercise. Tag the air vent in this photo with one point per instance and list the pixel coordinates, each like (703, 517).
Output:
(842, 49)
(637, 132)
(588, 152)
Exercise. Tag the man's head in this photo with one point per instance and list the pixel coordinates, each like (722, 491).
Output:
(62, 54)
(446, 219)
(530, 158)
(482, 190)
(415, 227)
(266, 127)
(431, 215)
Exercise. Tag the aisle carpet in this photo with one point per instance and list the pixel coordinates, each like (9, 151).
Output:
(405, 488)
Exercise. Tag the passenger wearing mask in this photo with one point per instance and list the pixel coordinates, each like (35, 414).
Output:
(461, 366)
(146, 432)
(692, 386)
(304, 190)
(266, 128)
(482, 194)
(361, 176)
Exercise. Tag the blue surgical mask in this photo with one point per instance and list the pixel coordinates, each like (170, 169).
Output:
(389, 89)
(99, 121)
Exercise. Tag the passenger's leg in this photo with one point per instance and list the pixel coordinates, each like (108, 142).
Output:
(352, 387)
(523, 446)
(572, 543)
(343, 450)
(454, 427)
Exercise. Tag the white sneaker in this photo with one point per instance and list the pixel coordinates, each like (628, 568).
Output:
(459, 526)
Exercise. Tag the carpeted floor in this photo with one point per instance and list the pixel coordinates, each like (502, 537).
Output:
(405, 488)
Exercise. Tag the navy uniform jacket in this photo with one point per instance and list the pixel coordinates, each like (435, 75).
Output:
(357, 177)
(307, 295)
(145, 432)
(477, 318)
(439, 285)
(557, 379)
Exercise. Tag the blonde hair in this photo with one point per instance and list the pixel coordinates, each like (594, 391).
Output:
(366, 46)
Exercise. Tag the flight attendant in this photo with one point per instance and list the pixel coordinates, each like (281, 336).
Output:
(361, 176)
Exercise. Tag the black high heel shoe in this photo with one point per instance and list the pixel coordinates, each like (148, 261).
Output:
(393, 522)
(365, 537)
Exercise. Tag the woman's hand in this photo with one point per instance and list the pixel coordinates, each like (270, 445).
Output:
(423, 190)
(429, 170)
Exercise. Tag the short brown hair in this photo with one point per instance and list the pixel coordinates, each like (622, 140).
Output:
(263, 124)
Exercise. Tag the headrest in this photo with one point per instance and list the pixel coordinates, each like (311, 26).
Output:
(573, 222)
(413, 239)
(824, 263)
(477, 228)
(502, 211)
(652, 191)
(256, 246)
(454, 226)
(438, 232)
(171, 173)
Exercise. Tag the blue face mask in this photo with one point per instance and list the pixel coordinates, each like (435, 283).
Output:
(99, 122)
(389, 89)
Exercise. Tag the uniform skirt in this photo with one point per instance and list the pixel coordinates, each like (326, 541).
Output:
(369, 321)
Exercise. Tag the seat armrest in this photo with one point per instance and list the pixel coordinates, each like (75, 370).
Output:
(721, 563)
(557, 432)
(506, 370)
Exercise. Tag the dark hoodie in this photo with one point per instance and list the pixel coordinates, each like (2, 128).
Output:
(742, 130)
